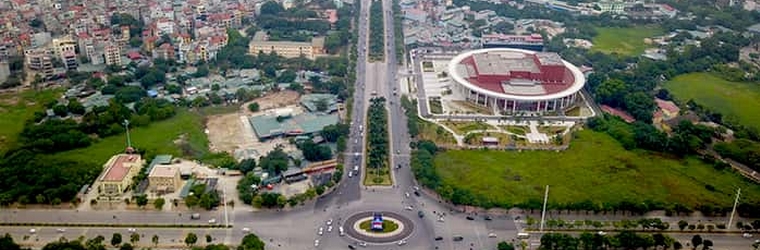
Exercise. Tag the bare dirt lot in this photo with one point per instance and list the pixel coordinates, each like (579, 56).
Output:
(229, 132)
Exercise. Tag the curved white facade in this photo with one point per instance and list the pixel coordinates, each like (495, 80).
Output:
(515, 102)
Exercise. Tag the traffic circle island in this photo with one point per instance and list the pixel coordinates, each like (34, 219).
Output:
(378, 227)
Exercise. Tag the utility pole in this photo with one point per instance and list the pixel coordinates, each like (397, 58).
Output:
(543, 212)
(129, 141)
(224, 201)
(733, 211)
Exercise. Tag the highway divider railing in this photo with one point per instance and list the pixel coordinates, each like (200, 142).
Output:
(32, 224)
(609, 231)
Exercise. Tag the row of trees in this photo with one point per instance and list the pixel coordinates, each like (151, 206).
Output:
(622, 240)
(249, 242)
(377, 135)
(376, 31)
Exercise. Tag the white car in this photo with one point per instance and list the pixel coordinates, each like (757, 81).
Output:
(491, 235)
(32, 231)
(245, 229)
(320, 232)
(362, 244)
(316, 242)
(410, 208)
(747, 235)
(356, 167)
(350, 174)
(401, 242)
(406, 194)
(440, 219)
(340, 231)
(329, 229)
(61, 230)
(131, 230)
(212, 221)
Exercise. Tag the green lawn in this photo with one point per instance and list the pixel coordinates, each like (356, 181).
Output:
(737, 101)
(157, 138)
(388, 226)
(624, 41)
(15, 108)
(594, 168)
(435, 133)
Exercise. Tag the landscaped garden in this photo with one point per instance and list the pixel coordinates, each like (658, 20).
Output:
(388, 226)
(463, 127)
(737, 101)
(595, 172)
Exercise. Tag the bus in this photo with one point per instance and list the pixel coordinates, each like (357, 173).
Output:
(523, 235)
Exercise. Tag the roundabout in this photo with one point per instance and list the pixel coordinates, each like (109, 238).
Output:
(395, 227)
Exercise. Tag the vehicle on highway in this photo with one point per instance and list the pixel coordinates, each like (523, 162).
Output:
(439, 238)
(32, 231)
(487, 217)
(131, 230)
(351, 247)
(316, 242)
(321, 231)
(602, 233)
(458, 238)
(410, 208)
(440, 219)
(417, 193)
(350, 174)
(398, 151)
(212, 221)
(245, 229)
(470, 218)
(747, 235)
(416, 188)
(401, 242)
(523, 236)
(195, 216)
(406, 194)
(491, 235)
(420, 214)
(61, 230)
(329, 229)
(356, 167)
(341, 232)
(362, 244)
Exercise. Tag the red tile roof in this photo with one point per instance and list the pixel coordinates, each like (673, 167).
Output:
(117, 170)
(667, 105)
(619, 113)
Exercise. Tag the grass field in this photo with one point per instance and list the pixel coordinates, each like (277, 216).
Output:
(624, 41)
(737, 101)
(594, 168)
(373, 177)
(15, 109)
(433, 132)
(157, 138)
(518, 130)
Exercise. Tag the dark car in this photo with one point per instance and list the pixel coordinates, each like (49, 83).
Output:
(417, 193)
(487, 218)
(351, 247)
(470, 218)
(439, 238)
(420, 214)
(458, 238)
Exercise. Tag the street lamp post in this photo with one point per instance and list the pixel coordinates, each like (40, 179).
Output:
(733, 211)
(543, 212)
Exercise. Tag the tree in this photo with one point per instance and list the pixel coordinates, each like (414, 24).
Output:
(505, 246)
(209, 239)
(6, 242)
(202, 71)
(76, 107)
(682, 224)
(116, 239)
(129, 94)
(640, 106)
(246, 165)
(61, 110)
(696, 240)
(191, 239)
(126, 246)
(154, 240)
(271, 8)
(251, 242)
(159, 203)
(275, 162)
(707, 244)
(141, 200)
(134, 237)
(611, 92)
(315, 152)
(253, 107)
(286, 76)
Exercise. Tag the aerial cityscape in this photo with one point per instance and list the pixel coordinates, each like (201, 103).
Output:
(379, 124)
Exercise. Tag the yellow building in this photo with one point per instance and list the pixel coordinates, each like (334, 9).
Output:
(164, 179)
(113, 55)
(118, 174)
(287, 49)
